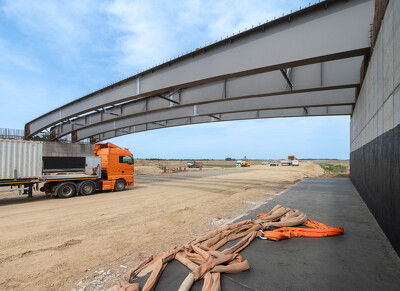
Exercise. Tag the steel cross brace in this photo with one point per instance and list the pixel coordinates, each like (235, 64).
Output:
(286, 75)
(123, 131)
(215, 117)
(159, 124)
(167, 97)
(107, 111)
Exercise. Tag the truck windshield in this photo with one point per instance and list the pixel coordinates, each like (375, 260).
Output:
(126, 160)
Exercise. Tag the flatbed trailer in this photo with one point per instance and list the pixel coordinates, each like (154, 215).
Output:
(110, 168)
(27, 185)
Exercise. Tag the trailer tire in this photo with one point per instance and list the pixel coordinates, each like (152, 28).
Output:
(87, 188)
(119, 185)
(66, 190)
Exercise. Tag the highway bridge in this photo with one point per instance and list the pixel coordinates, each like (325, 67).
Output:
(331, 58)
(306, 63)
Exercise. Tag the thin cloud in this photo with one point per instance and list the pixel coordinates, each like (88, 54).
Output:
(17, 58)
(67, 27)
(151, 32)
(142, 38)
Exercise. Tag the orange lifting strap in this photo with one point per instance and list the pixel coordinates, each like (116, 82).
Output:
(203, 259)
(317, 229)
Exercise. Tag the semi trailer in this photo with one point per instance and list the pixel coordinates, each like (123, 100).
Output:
(23, 167)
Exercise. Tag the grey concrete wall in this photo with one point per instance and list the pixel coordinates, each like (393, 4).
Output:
(375, 129)
(56, 149)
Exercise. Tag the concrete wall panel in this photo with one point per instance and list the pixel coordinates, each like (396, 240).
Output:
(396, 107)
(388, 51)
(388, 114)
(380, 121)
(375, 134)
(375, 173)
(396, 42)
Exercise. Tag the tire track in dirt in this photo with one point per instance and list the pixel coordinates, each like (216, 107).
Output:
(63, 246)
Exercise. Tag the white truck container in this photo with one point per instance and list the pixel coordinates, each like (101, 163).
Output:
(20, 159)
(22, 169)
(286, 163)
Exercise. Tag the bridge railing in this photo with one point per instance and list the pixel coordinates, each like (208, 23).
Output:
(9, 133)
(18, 134)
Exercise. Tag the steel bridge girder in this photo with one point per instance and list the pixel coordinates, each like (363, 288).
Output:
(273, 113)
(309, 99)
(340, 73)
(314, 36)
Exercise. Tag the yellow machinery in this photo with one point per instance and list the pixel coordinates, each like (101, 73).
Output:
(245, 164)
(290, 161)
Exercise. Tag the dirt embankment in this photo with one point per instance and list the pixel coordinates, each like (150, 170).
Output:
(334, 168)
(87, 242)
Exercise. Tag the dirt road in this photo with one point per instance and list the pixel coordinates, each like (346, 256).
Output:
(87, 242)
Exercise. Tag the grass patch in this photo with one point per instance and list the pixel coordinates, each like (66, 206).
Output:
(334, 168)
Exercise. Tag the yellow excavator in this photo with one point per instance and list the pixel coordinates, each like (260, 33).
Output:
(245, 162)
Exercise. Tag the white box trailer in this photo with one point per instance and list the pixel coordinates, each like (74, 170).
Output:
(22, 167)
(20, 159)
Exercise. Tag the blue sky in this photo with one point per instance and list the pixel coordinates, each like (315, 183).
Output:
(52, 52)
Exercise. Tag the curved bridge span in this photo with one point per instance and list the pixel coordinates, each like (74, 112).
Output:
(306, 63)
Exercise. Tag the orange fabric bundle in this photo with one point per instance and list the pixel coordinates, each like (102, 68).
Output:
(202, 257)
(316, 229)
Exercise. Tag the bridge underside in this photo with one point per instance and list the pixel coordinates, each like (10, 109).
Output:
(306, 63)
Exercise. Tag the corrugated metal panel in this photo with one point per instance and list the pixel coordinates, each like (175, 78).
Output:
(20, 159)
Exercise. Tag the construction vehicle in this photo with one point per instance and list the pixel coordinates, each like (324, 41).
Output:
(22, 169)
(245, 162)
(194, 164)
(288, 161)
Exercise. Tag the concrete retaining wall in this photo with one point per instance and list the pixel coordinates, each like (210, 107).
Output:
(375, 129)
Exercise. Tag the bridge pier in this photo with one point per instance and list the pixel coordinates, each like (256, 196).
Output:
(375, 128)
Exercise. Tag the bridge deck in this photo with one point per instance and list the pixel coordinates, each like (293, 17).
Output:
(361, 259)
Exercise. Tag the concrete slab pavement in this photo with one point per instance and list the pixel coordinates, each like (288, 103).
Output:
(361, 259)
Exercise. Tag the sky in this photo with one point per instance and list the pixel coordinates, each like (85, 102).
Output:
(53, 52)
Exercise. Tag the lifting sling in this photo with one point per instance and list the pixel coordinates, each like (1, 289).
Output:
(202, 258)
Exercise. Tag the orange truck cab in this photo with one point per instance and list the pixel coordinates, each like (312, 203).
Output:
(117, 166)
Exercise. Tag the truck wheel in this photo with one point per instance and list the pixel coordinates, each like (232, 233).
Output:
(119, 185)
(66, 190)
(87, 188)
